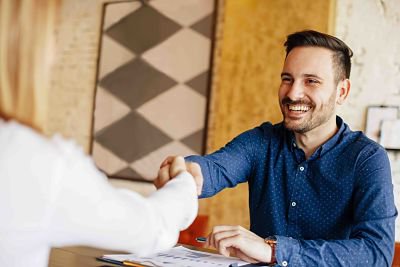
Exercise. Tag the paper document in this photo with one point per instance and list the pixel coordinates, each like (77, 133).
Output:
(180, 257)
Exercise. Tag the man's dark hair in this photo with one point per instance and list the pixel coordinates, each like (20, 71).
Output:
(341, 52)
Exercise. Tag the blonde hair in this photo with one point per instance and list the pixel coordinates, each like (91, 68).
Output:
(26, 42)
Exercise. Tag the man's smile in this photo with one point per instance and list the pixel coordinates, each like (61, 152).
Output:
(299, 108)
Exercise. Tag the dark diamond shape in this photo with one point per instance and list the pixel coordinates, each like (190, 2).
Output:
(132, 137)
(127, 173)
(195, 141)
(200, 83)
(205, 26)
(136, 82)
(142, 29)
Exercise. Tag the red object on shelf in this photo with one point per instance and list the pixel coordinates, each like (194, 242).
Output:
(196, 229)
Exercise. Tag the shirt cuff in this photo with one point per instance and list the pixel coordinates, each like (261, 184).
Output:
(287, 251)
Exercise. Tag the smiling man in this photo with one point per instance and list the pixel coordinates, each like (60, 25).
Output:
(320, 194)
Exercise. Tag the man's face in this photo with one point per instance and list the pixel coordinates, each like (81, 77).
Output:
(307, 94)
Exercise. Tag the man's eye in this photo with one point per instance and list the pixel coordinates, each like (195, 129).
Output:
(312, 81)
(286, 79)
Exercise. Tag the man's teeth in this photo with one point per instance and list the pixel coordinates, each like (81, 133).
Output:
(299, 108)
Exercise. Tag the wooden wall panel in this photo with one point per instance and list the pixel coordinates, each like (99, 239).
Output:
(248, 58)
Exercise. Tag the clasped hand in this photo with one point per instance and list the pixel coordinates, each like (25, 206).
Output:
(234, 241)
(169, 167)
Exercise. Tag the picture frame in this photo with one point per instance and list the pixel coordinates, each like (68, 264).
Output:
(151, 97)
(375, 116)
(390, 134)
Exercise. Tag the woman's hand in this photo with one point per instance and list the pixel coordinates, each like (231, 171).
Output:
(172, 166)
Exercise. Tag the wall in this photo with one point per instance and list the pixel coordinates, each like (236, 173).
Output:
(371, 29)
(72, 92)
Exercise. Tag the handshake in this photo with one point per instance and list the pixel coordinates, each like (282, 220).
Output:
(174, 165)
(228, 240)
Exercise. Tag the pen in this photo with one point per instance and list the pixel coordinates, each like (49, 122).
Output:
(129, 263)
(201, 239)
(123, 263)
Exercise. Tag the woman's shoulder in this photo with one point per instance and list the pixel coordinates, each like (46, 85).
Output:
(21, 138)
(15, 134)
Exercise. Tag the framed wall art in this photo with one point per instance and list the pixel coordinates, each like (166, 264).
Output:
(153, 85)
(390, 134)
(375, 117)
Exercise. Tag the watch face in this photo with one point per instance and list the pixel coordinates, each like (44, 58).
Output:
(271, 238)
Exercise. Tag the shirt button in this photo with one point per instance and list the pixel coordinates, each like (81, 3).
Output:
(284, 263)
(301, 168)
(294, 204)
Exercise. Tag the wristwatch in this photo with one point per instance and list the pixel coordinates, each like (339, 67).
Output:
(271, 241)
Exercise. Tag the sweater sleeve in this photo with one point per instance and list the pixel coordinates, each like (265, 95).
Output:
(87, 210)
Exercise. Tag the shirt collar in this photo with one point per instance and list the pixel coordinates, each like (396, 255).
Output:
(291, 140)
(328, 145)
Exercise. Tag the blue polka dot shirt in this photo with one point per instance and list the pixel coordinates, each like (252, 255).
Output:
(335, 208)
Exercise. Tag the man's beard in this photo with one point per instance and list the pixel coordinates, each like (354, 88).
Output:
(316, 118)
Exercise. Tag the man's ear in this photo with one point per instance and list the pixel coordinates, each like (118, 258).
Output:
(343, 90)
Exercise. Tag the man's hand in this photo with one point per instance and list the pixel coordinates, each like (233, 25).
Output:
(239, 242)
(167, 172)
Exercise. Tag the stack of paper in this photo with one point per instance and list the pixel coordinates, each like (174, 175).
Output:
(177, 257)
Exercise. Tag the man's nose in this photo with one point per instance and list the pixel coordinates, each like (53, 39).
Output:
(296, 91)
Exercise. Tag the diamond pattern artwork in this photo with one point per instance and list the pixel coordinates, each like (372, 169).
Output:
(153, 83)
(132, 137)
(199, 83)
(136, 82)
(142, 29)
(182, 56)
(170, 118)
(184, 12)
(204, 26)
(145, 166)
(116, 109)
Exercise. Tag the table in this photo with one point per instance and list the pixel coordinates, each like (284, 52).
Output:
(78, 257)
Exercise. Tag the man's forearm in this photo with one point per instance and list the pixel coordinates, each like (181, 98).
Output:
(358, 251)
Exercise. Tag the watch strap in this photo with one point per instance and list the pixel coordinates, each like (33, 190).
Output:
(271, 241)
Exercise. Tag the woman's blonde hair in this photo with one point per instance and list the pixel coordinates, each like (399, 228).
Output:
(26, 42)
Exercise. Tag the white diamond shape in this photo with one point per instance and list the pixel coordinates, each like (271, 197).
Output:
(116, 11)
(148, 166)
(185, 12)
(182, 56)
(108, 109)
(112, 56)
(106, 160)
(178, 112)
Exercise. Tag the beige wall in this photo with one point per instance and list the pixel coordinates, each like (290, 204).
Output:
(74, 74)
(376, 64)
